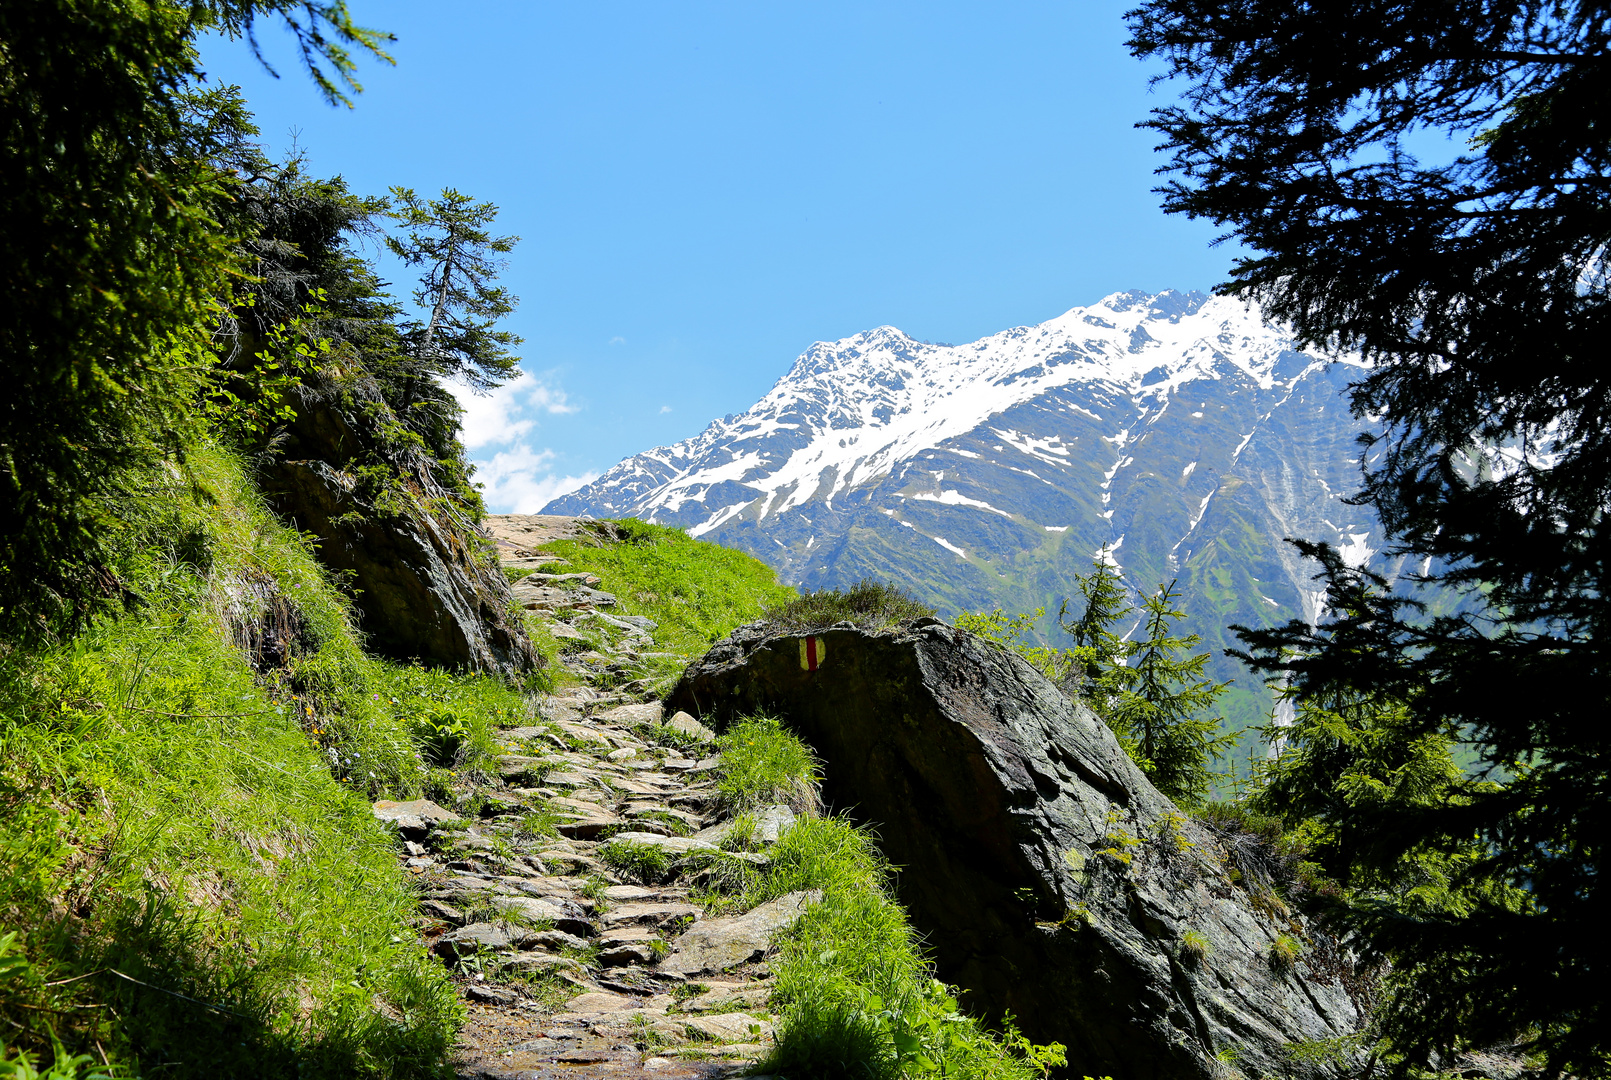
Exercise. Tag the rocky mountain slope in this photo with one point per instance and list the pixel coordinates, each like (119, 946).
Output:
(1179, 432)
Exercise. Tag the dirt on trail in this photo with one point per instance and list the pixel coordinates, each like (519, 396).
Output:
(569, 967)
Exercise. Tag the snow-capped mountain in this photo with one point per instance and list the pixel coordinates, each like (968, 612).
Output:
(1180, 432)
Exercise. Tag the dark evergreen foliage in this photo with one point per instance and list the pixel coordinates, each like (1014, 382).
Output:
(1476, 284)
(1146, 685)
(113, 180)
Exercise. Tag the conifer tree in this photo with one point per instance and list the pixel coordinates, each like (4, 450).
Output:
(448, 238)
(1474, 279)
(1161, 710)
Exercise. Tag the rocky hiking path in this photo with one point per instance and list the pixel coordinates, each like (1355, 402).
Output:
(569, 966)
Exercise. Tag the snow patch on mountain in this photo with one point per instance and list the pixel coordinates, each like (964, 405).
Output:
(851, 411)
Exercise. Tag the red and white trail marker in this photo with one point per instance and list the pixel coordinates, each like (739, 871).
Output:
(813, 651)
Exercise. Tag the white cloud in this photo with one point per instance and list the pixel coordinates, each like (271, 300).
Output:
(515, 479)
(521, 480)
(664, 409)
(618, 340)
(505, 414)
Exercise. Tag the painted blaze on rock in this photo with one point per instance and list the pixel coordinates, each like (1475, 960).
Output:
(1048, 875)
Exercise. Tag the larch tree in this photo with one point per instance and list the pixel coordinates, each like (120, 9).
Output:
(1162, 711)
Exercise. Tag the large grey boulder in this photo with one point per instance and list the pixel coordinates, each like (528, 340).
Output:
(1048, 876)
(418, 587)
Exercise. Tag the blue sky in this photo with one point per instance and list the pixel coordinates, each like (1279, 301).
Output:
(704, 189)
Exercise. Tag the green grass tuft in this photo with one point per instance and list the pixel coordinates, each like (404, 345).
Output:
(1194, 947)
(647, 864)
(871, 605)
(762, 763)
(1284, 953)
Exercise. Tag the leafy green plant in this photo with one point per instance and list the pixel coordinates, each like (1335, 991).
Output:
(1076, 917)
(442, 734)
(1337, 1052)
(763, 763)
(1262, 856)
(869, 604)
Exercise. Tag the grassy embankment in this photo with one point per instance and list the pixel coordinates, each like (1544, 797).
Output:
(191, 882)
(857, 995)
(695, 591)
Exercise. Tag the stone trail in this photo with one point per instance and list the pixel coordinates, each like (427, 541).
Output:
(570, 968)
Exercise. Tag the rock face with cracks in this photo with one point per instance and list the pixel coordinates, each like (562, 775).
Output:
(423, 585)
(1047, 874)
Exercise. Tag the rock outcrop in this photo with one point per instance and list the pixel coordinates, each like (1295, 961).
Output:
(1049, 877)
(426, 582)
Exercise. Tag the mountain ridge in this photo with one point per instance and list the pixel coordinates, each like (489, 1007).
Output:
(1178, 434)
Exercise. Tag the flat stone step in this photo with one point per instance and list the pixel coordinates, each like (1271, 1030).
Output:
(570, 778)
(672, 845)
(731, 1027)
(647, 914)
(583, 733)
(527, 963)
